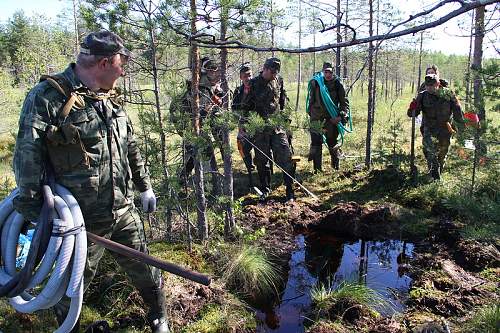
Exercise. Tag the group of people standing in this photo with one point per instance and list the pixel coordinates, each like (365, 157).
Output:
(265, 96)
(73, 129)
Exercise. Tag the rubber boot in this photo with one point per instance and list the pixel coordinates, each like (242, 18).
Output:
(157, 318)
(317, 162)
(335, 161)
(435, 171)
(265, 182)
(290, 195)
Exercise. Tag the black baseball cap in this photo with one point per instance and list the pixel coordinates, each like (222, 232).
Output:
(103, 43)
(245, 68)
(273, 64)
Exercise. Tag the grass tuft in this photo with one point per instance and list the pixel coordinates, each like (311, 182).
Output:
(251, 272)
(325, 298)
(485, 320)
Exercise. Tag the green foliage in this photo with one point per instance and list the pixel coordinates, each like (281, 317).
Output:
(35, 47)
(485, 320)
(12, 321)
(324, 298)
(252, 237)
(223, 319)
(251, 273)
(492, 274)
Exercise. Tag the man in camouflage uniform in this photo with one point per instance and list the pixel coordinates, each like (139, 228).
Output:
(210, 94)
(91, 151)
(267, 98)
(320, 116)
(439, 107)
(240, 93)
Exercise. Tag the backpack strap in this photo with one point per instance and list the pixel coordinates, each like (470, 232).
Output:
(63, 86)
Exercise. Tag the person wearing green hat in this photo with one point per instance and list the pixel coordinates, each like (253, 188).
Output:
(243, 139)
(267, 99)
(439, 107)
(319, 114)
(210, 102)
(73, 125)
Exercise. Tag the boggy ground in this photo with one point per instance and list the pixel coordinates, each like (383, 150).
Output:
(453, 276)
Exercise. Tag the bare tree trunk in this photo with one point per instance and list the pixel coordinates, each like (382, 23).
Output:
(226, 141)
(368, 156)
(157, 93)
(413, 168)
(339, 39)
(272, 28)
(477, 63)
(375, 71)
(299, 74)
(345, 38)
(467, 74)
(77, 35)
(386, 85)
(314, 54)
(478, 85)
(420, 53)
(201, 201)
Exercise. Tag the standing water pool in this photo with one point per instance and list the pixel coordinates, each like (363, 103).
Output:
(323, 259)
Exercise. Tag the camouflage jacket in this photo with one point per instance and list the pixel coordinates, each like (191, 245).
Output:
(438, 108)
(317, 109)
(265, 97)
(210, 100)
(99, 162)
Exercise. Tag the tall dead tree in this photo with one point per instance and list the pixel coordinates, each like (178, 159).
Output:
(201, 201)
(478, 85)
(299, 69)
(477, 62)
(468, 72)
(344, 62)
(369, 126)
(339, 39)
(226, 140)
(148, 14)
(75, 19)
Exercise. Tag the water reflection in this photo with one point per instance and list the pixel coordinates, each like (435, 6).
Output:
(328, 260)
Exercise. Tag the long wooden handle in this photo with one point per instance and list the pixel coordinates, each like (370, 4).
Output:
(150, 260)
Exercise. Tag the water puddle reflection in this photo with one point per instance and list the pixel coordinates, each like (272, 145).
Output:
(380, 265)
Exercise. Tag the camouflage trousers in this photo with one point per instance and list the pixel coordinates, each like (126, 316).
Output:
(331, 132)
(435, 144)
(275, 140)
(207, 153)
(127, 229)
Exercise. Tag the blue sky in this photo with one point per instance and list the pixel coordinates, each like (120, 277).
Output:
(49, 8)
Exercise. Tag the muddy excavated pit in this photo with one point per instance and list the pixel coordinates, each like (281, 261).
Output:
(365, 244)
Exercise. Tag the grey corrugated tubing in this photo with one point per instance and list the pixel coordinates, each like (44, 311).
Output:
(62, 264)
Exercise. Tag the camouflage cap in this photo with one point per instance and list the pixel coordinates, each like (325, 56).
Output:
(327, 66)
(431, 79)
(245, 68)
(209, 64)
(103, 43)
(273, 64)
